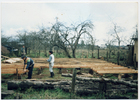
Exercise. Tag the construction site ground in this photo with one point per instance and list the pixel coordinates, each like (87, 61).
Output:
(99, 66)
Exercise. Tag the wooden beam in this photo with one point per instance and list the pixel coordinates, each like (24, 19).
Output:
(116, 71)
(111, 68)
(13, 71)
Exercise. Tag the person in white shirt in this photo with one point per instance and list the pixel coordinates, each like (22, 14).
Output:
(51, 63)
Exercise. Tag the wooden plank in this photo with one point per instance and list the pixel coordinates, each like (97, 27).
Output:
(13, 72)
(116, 71)
(5, 57)
(57, 66)
(98, 66)
(110, 68)
(8, 68)
(41, 61)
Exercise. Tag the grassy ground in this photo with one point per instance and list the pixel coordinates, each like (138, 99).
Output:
(47, 94)
(57, 94)
(84, 53)
(54, 93)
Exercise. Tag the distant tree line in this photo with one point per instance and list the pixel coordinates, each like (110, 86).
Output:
(58, 35)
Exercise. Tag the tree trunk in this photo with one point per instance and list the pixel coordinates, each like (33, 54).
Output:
(92, 54)
(39, 52)
(118, 61)
(98, 53)
(29, 51)
(67, 53)
(45, 52)
(26, 50)
(107, 55)
(73, 53)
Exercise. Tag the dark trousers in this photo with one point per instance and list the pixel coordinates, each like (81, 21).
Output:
(30, 71)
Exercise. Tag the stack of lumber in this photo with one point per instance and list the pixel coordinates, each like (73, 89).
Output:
(98, 66)
(12, 60)
(4, 57)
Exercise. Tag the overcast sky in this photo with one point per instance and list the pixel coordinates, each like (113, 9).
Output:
(30, 16)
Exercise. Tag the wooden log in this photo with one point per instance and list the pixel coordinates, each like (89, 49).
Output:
(66, 75)
(5, 93)
(83, 84)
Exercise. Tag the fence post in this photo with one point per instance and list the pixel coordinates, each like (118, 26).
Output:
(87, 54)
(17, 72)
(118, 58)
(60, 70)
(135, 65)
(102, 86)
(73, 82)
(107, 55)
(98, 52)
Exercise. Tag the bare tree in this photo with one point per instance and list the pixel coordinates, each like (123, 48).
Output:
(117, 30)
(63, 36)
(4, 39)
(22, 35)
(83, 28)
(92, 40)
(109, 45)
(35, 44)
(59, 34)
(44, 38)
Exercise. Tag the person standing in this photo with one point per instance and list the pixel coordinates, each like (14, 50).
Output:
(30, 65)
(51, 63)
(23, 51)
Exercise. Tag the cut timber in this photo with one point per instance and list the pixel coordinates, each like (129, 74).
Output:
(98, 66)
(113, 68)
(81, 84)
(5, 93)
(12, 60)
(40, 61)
(13, 71)
(117, 71)
(5, 57)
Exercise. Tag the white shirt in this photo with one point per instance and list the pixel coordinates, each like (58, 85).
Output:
(51, 58)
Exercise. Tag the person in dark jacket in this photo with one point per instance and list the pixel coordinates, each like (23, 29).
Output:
(30, 65)
(23, 52)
